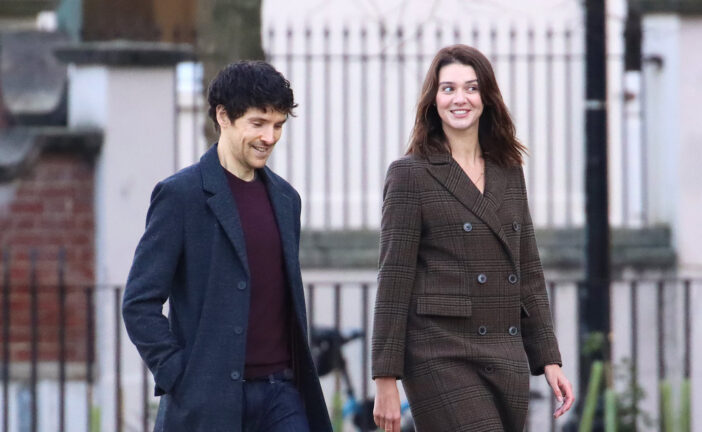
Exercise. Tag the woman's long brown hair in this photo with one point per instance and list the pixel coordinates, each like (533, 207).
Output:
(496, 132)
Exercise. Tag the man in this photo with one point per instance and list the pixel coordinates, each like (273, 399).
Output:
(221, 244)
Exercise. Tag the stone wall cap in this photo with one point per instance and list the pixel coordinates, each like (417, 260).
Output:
(20, 147)
(559, 248)
(125, 53)
(681, 7)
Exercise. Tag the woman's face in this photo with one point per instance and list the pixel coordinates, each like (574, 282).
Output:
(458, 100)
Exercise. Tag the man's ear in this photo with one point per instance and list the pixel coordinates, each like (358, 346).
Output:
(222, 116)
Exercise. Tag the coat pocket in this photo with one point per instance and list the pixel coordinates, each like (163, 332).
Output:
(524, 311)
(444, 305)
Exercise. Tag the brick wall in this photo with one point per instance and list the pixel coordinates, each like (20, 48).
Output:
(48, 209)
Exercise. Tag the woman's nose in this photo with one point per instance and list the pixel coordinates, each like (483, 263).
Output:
(460, 97)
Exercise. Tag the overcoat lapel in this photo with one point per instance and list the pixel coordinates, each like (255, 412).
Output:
(222, 203)
(285, 216)
(447, 172)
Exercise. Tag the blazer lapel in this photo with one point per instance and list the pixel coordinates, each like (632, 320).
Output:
(447, 172)
(222, 203)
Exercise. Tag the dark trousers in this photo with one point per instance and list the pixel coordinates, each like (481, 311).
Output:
(273, 405)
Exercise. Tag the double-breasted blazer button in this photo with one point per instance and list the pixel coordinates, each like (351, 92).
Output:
(513, 331)
(512, 278)
(241, 285)
(235, 375)
(482, 278)
(482, 330)
(516, 226)
(238, 330)
(467, 227)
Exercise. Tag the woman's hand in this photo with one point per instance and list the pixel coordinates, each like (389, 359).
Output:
(386, 411)
(562, 389)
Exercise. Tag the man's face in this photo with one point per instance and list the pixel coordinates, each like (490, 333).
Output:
(249, 140)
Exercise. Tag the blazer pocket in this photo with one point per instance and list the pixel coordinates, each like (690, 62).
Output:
(524, 310)
(444, 305)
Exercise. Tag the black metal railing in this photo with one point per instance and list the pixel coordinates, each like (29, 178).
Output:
(57, 322)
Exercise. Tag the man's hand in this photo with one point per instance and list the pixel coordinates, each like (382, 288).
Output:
(561, 388)
(386, 411)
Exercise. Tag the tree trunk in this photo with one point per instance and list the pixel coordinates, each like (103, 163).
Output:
(227, 30)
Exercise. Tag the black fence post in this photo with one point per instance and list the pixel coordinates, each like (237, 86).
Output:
(62, 338)
(551, 286)
(89, 354)
(6, 340)
(595, 307)
(688, 327)
(34, 319)
(144, 397)
(337, 307)
(118, 359)
(310, 309)
(634, 347)
(364, 349)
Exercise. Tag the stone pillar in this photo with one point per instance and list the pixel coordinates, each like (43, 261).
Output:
(673, 90)
(127, 89)
(690, 191)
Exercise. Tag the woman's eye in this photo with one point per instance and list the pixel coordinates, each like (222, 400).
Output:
(447, 89)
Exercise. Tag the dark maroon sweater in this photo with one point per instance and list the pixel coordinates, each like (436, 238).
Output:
(268, 335)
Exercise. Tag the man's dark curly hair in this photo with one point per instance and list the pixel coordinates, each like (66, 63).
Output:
(249, 84)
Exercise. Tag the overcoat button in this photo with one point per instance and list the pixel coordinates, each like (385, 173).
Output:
(512, 278)
(513, 331)
(516, 226)
(482, 278)
(482, 330)
(234, 375)
(241, 285)
(238, 330)
(467, 227)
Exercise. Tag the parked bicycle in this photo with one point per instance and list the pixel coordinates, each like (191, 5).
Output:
(326, 345)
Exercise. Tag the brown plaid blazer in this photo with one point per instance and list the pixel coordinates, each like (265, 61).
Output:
(461, 302)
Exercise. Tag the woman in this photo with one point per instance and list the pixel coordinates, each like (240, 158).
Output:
(461, 301)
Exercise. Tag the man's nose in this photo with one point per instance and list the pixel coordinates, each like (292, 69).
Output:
(268, 136)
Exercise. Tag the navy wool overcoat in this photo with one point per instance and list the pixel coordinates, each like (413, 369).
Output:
(193, 255)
